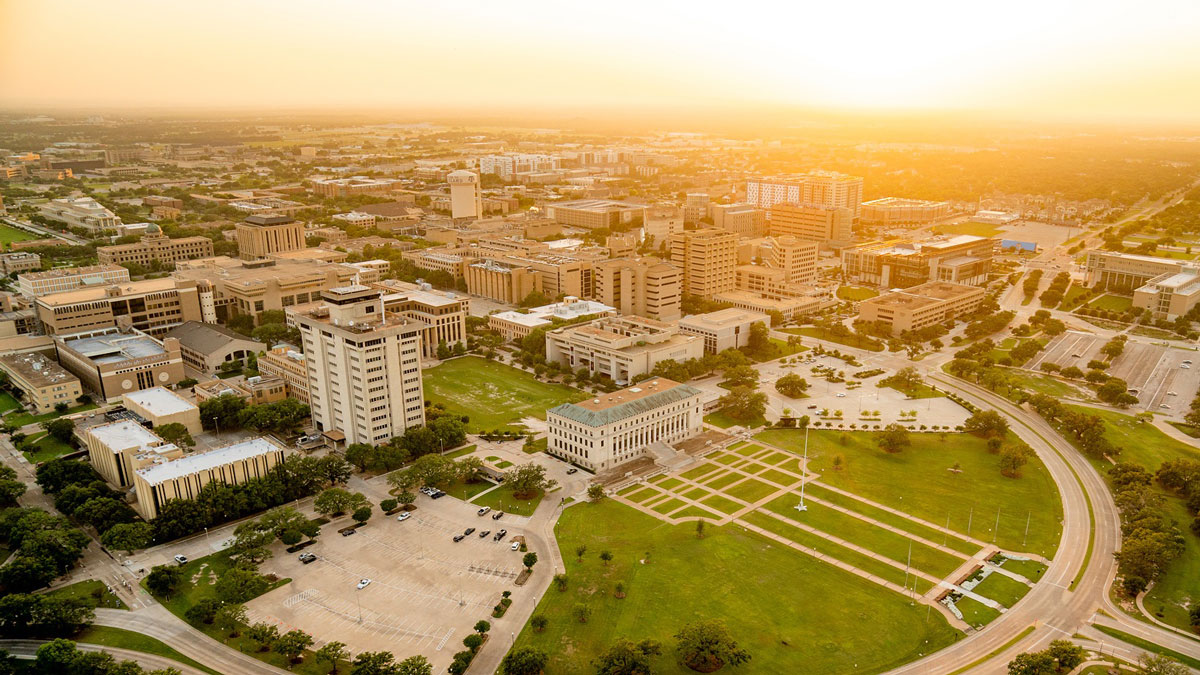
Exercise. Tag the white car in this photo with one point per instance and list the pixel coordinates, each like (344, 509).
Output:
(181, 559)
(516, 546)
(363, 583)
(404, 516)
(1185, 366)
(841, 395)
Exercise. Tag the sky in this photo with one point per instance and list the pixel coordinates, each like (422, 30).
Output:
(1042, 58)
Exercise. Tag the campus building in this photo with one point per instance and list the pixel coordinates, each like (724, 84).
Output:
(364, 366)
(207, 346)
(508, 165)
(707, 259)
(444, 314)
(117, 448)
(288, 364)
(229, 287)
(44, 382)
(155, 247)
(1127, 271)
(354, 185)
(744, 220)
(820, 188)
(645, 287)
(509, 284)
(921, 306)
(620, 347)
(254, 390)
(827, 225)
(164, 478)
(115, 362)
(36, 284)
(466, 198)
(594, 214)
(260, 236)
(1169, 295)
(961, 259)
(601, 433)
(81, 212)
(19, 261)
(159, 405)
(723, 329)
(516, 324)
(897, 212)
(152, 305)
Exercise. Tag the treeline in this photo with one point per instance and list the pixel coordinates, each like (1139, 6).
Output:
(229, 411)
(1150, 541)
(442, 431)
(1087, 431)
(45, 547)
(63, 656)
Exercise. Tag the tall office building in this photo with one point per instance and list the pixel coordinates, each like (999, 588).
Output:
(743, 219)
(260, 236)
(695, 207)
(364, 366)
(823, 188)
(646, 287)
(708, 259)
(813, 222)
(466, 201)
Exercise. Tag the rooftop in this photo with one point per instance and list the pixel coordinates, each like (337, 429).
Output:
(62, 272)
(124, 434)
(99, 292)
(598, 205)
(730, 316)
(203, 461)
(160, 401)
(644, 397)
(116, 347)
(36, 369)
(205, 337)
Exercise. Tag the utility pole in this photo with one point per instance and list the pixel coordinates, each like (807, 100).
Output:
(907, 563)
(803, 483)
(996, 532)
(970, 517)
(1027, 516)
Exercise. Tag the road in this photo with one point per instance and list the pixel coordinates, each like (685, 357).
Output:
(44, 231)
(27, 649)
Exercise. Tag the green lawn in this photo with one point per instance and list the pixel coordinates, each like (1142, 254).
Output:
(43, 447)
(920, 391)
(465, 491)
(1071, 298)
(906, 524)
(750, 490)
(119, 638)
(975, 229)
(502, 499)
(91, 591)
(22, 418)
(1142, 443)
(491, 394)
(723, 421)
(455, 454)
(696, 472)
(1044, 384)
(1030, 569)
(1148, 646)
(975, 613)
(852, 340)
(856, 293)
(9, 234)
(1114, 303)
(917, 481)
(833, 622)
(8, 402)
(1002, 589)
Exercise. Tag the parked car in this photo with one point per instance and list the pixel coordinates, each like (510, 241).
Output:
(363, 583)
(404, 516)
(181, 559)
(572, 470)
(346, 532)
(499, 535)
(841, 395)
(497, 515)
(484, 533)
(483, 511)
(438, 494)
(459, 537)
(812, 407)
(469, 530)
(516, 546)
(306, 558)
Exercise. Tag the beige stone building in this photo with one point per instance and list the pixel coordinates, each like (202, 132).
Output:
(1127, 271)
(364, 366)
(161, 479)
(922, 306)
(153, 305)
(596, 213)
(830, 225)
(81, 212)
(63, 279)
(229, 287)
(898, 212)
(19, 261)
(707, 259)
(156, 248)
(723, 329)
(1169, 295)
(354, 185)
(113, 362)
(621, 347)
(646, 287)
(255, 390)
(601, 433)
(443, 314)
(516, 324)
(744, 220)
(44, 382)
(117, 448)
(961, 259)
(260, 236)
(288, 364)
(206, 346)
(508, 284)
(789, 306)
(819, 187)
(159, 406)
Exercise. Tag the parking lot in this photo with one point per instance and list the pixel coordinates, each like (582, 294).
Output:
(426, 591)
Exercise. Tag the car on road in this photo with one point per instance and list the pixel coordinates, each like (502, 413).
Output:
(306, 558)
(459, 537)
(363, 583)
(483, 511)
(404, 516)
(516, 546)
(181, 559)
(497, 515)
(484, 533)
(469, 530)
(572, 470)
(499, 535)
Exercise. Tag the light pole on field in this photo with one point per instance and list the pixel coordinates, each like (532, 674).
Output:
(803, 483)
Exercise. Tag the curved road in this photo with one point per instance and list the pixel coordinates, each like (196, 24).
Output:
(27, 649)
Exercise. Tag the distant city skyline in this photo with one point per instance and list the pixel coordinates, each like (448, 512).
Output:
(1103, 59)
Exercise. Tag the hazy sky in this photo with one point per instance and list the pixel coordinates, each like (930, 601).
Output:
(1052, 57)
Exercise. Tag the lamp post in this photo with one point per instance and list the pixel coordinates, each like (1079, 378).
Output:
(803, 483)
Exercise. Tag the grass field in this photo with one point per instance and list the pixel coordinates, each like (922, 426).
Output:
(834, 622)
(491, 394)
(1071, 297)
(465, 491)
(9, 234)
(1002, 589)
(975, 613)
(723, 421)
(1113, 303)
(852, 340)
(22, 418)
(920, 391)
(1141, 443)
(856, 293)
(976, 229)
(119, 638)
(918, 482)
(43, 447)
(91, 591)
(8, 402)
(1044, 384)
(502, 499)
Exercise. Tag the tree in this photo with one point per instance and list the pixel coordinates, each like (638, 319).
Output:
(524, 661)
(527, 480)
(336, 501)
(334, 469)
(1032, 663)
(743, 404)
(414, 665)
(470, 469)
(57, 474)
(627, 658)
(239, 584)
(893, 439)
(128, 537)
(264, 634)
(175, 433)
(741, 376)
(361, 455)
(434, 470)
(759, 340)
(221, 412)
(581, 612)
(987, 423)
(539, 622)
(292, 644)
(362, 514)
(606, 556)
(229, 618)
(706, 646)
(373, 663)
(1067, 654)
(26, 573)
(61, 429)
(1157, 664)
(164, 579)
(331, 653)
(482, 626)
(791, 385)
(579, 551)
(204, 611)
(595, 492)
(1012, 458)
(388, 505)
(700, 529)
(529, 560)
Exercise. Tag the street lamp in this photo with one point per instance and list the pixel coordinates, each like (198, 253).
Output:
(803, 483)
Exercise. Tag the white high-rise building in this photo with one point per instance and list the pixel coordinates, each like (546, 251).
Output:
(506, 166)
(466, 200)
(821, 188)
(364, 365)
